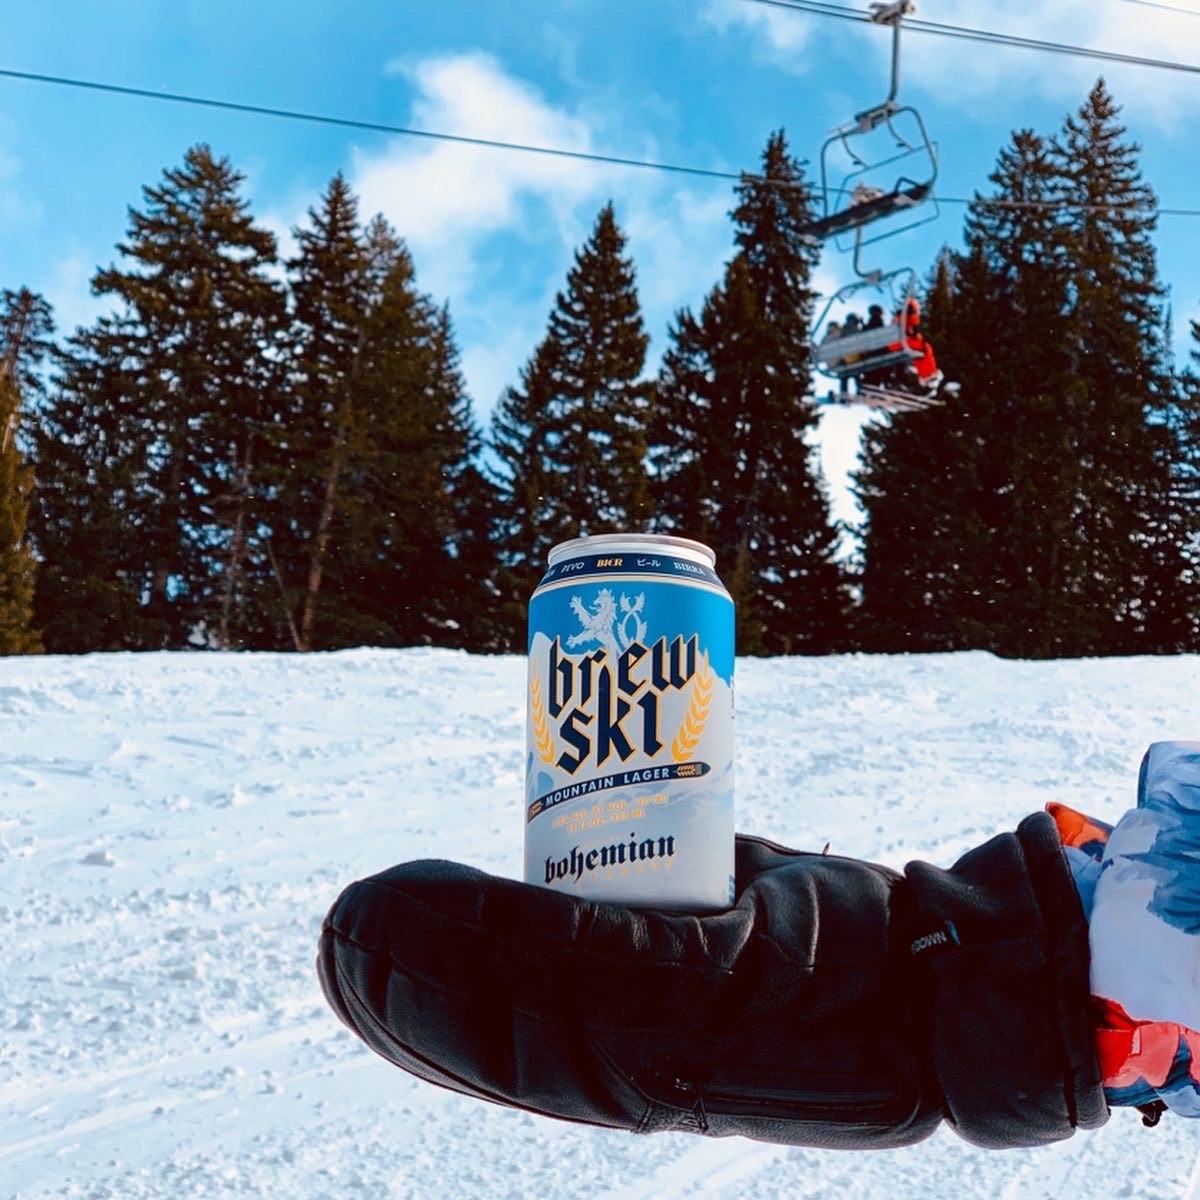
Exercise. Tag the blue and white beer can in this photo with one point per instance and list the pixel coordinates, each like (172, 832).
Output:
(629, 738)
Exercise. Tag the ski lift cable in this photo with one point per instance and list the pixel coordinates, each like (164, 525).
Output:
(516, 147)
(991, 37)
(1171, 8)
(262, 110)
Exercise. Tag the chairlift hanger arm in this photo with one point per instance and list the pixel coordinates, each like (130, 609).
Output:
(890, 12)
(887, 12)
(877, 204)
(897, 286)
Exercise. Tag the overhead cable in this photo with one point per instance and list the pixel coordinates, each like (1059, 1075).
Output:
(286, 114)
(517, 147)
(1171, 8)
(990, 37)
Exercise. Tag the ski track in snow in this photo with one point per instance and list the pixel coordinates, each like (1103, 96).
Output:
(173, 827)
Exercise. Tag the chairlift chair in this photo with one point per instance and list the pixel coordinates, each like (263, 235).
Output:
(845, 359)
(847, 356)
(854, 201)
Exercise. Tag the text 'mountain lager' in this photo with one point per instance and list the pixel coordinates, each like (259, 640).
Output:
(629, 737)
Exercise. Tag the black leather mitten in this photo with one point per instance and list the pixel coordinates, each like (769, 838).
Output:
(805, 1014)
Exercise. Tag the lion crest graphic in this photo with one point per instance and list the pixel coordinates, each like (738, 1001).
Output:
(602, 623)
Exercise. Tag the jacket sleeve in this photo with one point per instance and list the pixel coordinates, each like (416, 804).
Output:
(1141, 893)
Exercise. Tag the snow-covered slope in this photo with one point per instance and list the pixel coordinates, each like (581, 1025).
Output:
(173, 828)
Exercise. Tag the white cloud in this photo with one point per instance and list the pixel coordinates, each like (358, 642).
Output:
(680, 240)
(977, 72)
(492, 360)
(70, 295)
(494, 232)
(445, 197)
(783, 34)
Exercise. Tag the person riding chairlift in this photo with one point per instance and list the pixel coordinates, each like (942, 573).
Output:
(926, 367)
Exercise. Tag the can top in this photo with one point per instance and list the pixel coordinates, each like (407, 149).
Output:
(683, 547)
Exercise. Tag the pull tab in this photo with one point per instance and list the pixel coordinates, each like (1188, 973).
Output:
(1152, 1113)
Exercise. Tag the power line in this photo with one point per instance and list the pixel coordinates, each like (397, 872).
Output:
(521, 147)
(990, 37)
(1171, 8)
(261, 110)
(1063, 206)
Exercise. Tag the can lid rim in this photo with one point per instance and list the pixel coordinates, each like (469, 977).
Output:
(664, 541)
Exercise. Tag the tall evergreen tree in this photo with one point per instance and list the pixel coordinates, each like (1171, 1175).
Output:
(1027, 516)
(597, 417)
(91, 506)
(331, 288)
(178, 384)
(26, 340)
(571, 439)
(1133, 571)
(415, 461)
(25, 328)
(969, 507)
(529, 496)
(464, 498)
(1184, 491)
(379, 516)
(732, 463)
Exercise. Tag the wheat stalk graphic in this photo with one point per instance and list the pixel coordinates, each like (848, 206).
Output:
(541, 727)
(684, 743)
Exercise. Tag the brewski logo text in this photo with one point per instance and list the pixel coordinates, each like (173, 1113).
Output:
(592, 699)
(589, 700)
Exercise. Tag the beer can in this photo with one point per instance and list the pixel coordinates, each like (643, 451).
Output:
(629, 737)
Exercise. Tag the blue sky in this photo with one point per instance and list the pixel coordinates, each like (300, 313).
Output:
(695, 82)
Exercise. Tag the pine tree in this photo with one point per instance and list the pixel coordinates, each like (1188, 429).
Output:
(969, 506)
(1035, 514)
(463, 603)
(179, 385)
(380, 514)
(1181, 501)
(331, 287)
(732, 463)
(25, 328)
(416, 456)
(1133, 572)
(528, 493)
(596, 422)
(91, 503)
(570, 440)
(913, 556)
(26, 340)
